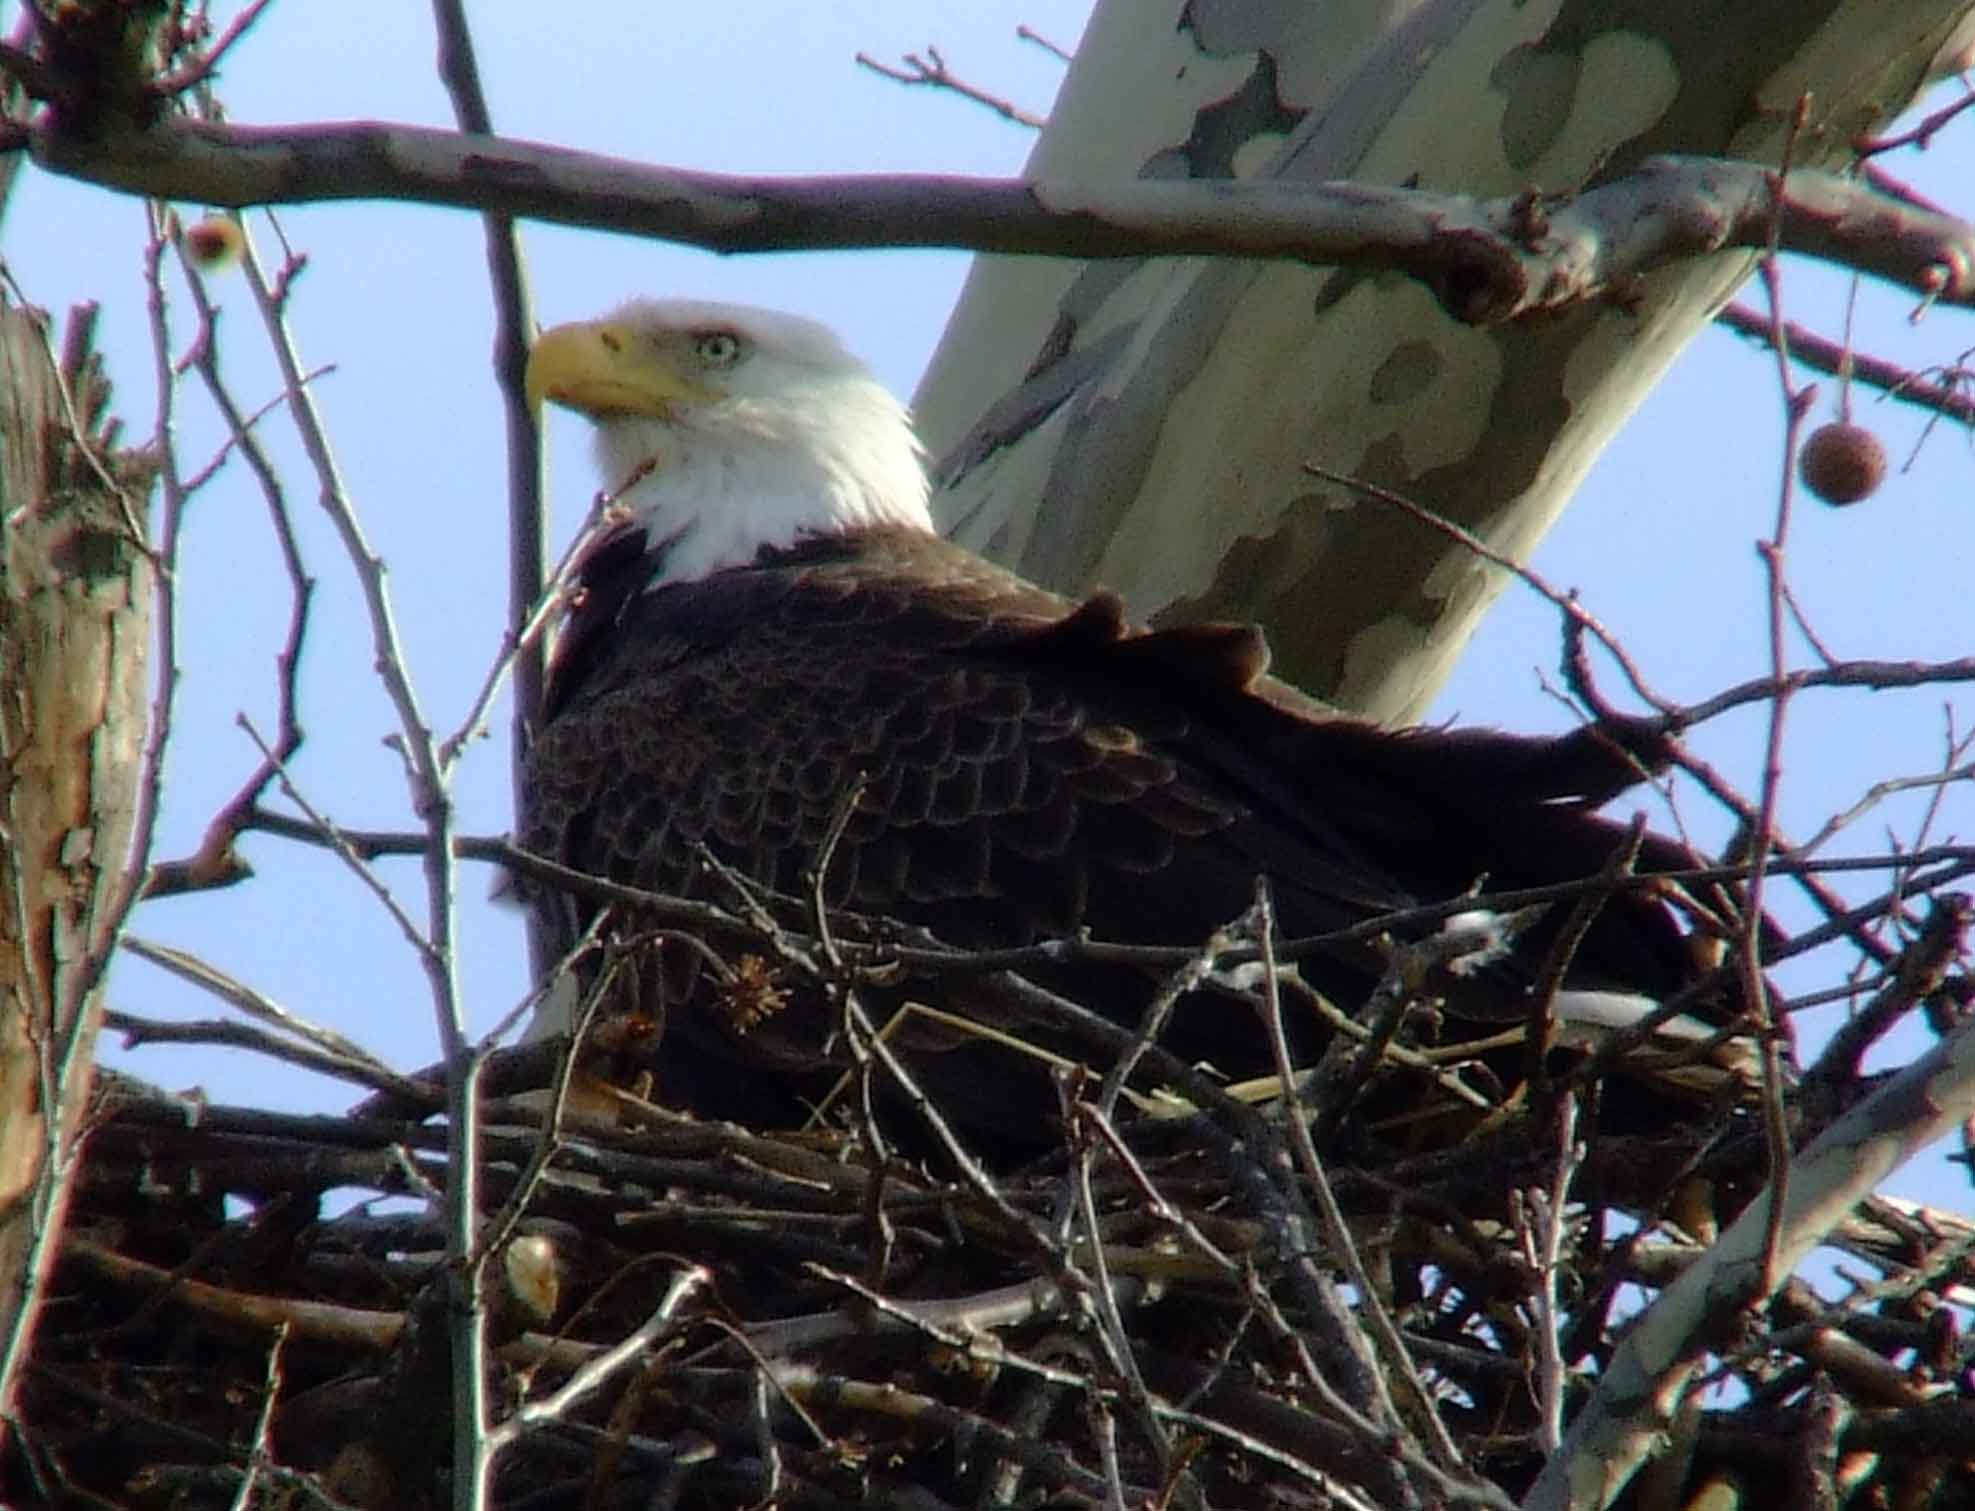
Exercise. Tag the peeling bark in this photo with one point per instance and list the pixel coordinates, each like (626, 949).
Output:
(75, 594)
(1148, 423)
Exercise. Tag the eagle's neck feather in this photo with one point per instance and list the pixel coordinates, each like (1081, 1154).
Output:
(722, 485)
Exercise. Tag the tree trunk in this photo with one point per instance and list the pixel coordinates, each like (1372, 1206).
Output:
(1146, 425)
(75, 595)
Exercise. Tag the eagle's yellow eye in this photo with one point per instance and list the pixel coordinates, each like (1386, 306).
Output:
(717, 348)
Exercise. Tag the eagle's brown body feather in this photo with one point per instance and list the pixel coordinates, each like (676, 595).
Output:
(1030, 767)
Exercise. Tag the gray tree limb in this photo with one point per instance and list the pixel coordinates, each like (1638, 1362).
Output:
(1484, 260)
(1637, 1397)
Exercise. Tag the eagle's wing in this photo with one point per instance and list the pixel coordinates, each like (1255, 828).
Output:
(1025, 768)
(1011, 765)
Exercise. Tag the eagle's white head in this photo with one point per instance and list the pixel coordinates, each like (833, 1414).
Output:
(723, 429)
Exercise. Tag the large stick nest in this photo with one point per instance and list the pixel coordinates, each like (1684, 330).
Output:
(1160, 1311)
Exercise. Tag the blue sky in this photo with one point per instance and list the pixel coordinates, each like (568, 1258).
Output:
(1661, 542)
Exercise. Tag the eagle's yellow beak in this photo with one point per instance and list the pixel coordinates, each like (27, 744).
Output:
(602, 368)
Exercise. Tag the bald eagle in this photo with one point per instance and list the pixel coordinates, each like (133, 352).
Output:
(773, 640)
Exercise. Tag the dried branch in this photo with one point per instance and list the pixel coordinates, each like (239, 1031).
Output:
(359, 866)
(319, 1322)
(936, 75)
(138, 1031)
(260, 1456)
(599, 1370)
(427, 778)
(1762, 838)
(919, 950)
(209, 978)
(1953, 397)
(1877, 675)
(1918, 973)
(518, 643)
(1643, 1384)
(216, 863)
(1485, 260)
(207, 61)
(1029, 34)
(1575, 614)
(1541, 1224)
(1921, 135)
(1411, 1402)
(1578, 621)
(514, 330)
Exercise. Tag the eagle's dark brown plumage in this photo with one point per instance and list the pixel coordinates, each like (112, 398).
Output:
(1029, 768)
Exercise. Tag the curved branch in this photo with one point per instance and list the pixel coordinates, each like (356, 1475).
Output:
(1906, 384)
(1485, 260)
(1641, 1391)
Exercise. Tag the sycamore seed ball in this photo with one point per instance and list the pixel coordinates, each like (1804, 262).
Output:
(1841, 462)
(213, 244)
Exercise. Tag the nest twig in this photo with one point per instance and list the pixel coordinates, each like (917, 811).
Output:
(702, 1314)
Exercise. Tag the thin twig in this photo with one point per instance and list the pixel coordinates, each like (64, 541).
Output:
(1028, 33)
(364, 871)
(517, 643)
(1921, 135)
(210, 978)
(506, 1221)
(936, 75)
(1111, 1330)
(1921, 968)
(261, 1454)
(919, 951)
(427, 779)
(1542, 1228)
(203, 67)
(1954, 396)
(514, 330)
(138, 1031)
(215, 859)
(1762, 838)
(1415, 1401)
(1565, 603)
(599, 1370)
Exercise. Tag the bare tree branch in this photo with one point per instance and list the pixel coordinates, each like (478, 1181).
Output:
(1638, 1393)
(1486, 260)
(936, 75)
(514, 331)
(613, 1360)
(1029, 34)
(1954, 396)
(918, 950)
